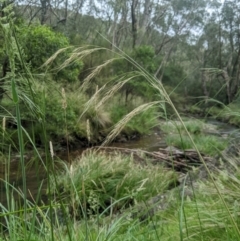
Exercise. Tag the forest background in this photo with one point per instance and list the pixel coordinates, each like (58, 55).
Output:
(191, 47)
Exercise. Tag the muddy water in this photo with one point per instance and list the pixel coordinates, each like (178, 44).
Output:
(36, 176)
(225, 129)
(151, 142)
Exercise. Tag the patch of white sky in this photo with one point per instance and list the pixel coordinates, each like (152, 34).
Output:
(197, 31)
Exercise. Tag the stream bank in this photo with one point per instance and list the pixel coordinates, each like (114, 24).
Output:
(152, 145)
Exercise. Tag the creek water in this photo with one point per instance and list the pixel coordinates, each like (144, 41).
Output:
(36, 175)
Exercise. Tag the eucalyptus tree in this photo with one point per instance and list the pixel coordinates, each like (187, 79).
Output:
(231, 65)
(219, 50)
(117, 21)
(175, 22)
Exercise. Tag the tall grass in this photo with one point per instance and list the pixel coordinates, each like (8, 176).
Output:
(92, 198)
(166, 99)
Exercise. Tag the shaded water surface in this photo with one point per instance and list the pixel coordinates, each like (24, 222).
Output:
(12, 173)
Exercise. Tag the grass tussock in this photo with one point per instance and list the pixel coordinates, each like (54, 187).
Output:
(99, 181)
(105, 185)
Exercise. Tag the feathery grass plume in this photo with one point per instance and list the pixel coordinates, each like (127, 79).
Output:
(94, 99)
(4, 124)
(76, 55)
(91, 102)
(103, 118)
(97, 69)
(51, 149)
(121, 124)
(95, 72)
(64, 100)
(212, 71)
(54, 56)
(79, 55)
(88, 131)
(113, 90)
(96, 90)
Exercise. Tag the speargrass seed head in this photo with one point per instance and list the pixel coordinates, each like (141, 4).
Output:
(4, 124)
(51, 149)
(64, 100)
(88, 131)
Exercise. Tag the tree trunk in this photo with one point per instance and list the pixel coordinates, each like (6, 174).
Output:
(227, 80)
(134, 22)
(44, 6)
(204, 85)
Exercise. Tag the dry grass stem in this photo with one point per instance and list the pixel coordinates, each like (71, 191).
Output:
(71, 170)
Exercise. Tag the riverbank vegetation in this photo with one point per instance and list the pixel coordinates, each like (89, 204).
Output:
(109, 196)
(205, 136)
(76, 76)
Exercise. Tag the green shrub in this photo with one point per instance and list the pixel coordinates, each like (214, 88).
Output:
(138, 86)
(144, 55)
(39, 43)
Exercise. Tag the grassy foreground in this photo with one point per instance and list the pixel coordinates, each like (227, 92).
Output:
(105, 197)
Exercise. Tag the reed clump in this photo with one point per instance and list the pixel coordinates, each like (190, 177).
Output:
(100, 182)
